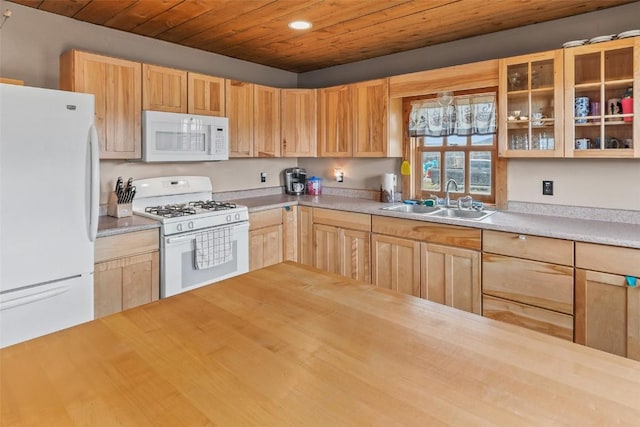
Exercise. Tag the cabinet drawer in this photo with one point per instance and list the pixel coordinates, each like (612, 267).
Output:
(530, 247)
(126, 244)
(610, 259)
(540, 284)
(537, 319)
(342, 219)
(263, 219)
(430, 232)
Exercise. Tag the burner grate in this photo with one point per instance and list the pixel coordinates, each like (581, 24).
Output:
(171, 211)
(212, 205)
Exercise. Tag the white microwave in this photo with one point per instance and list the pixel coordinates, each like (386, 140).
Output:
(176, 137)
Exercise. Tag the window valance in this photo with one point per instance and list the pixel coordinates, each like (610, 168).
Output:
(459, 115)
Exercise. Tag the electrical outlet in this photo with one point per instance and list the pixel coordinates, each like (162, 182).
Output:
(547, 188)
(263, 177)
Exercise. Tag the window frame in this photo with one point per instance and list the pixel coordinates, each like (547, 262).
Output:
(498, 166)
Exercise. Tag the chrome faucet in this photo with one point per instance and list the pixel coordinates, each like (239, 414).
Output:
(447, 200)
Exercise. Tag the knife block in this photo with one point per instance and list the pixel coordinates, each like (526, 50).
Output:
(118, 210)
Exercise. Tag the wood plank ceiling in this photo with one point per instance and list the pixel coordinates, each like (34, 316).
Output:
(343, 31)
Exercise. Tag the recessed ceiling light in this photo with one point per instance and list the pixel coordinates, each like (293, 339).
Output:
(299, 25)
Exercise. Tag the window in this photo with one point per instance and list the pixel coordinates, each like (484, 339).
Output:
(455, 139)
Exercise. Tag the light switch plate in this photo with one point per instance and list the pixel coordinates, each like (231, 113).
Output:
(547, 188)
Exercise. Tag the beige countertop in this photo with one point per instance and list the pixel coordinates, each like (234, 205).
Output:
(290, 345)
(108, 226)
(603, 232)
(583, 230)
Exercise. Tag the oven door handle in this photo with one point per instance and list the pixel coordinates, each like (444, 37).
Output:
(171, 240)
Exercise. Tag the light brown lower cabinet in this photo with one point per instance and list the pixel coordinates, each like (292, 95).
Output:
(396, 264)
(265, 238)
(344, 247)
(127, 271)
(528, 281)
(451, 276)
(437, 262)
(305, 235)
(607, 308)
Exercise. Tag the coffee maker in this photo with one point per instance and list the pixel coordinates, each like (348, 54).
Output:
(295, 181)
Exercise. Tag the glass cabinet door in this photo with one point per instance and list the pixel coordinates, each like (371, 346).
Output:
(599, 100)
(531, 116)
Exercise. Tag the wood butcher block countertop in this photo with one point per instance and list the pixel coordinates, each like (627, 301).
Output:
(289, 345)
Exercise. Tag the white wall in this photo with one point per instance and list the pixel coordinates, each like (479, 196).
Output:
(229, 175)
(363, 174)
(601, 183)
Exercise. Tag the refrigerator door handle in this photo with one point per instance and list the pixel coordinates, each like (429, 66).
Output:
(94, 147)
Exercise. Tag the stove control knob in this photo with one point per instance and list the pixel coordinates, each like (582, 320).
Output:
(190, 225)
(237, 217)
(179, 227)
(228, 218)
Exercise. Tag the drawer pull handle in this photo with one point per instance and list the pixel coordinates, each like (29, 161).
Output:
(522, 237)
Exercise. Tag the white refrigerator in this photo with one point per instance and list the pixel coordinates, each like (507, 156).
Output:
(49, 190)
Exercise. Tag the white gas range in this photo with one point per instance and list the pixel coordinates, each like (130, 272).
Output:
(203, 241)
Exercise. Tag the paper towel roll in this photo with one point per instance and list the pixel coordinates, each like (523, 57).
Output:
(389, 182)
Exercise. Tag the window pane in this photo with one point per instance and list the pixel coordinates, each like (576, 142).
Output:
(431, 171)
(432, 141)
(482, 139)
(480, 172)
(454, 169)
(456, 140)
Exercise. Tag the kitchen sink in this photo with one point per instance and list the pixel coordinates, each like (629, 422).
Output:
(462, 214)
(412, 209)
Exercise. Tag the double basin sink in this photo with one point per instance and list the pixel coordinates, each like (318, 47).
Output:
(441, 212)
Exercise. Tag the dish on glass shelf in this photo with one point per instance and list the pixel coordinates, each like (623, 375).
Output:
(574, 43)
(630, 33)
(600, 39)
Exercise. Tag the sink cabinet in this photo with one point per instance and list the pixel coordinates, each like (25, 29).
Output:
(531, 105)
(437, 262)
(528, 281)
(126, 271)
(607, 307)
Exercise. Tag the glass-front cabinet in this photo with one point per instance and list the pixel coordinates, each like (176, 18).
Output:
(531, 116)
(600, 80)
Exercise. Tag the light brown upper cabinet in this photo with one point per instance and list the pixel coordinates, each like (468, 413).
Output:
(117, 87)
(531, 105)
(598, 76)
(266, 121)
(205, 95)
(370, 102)
(239, 97)
(298, 122)
(335, 121)
(164, 89)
